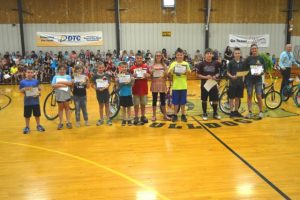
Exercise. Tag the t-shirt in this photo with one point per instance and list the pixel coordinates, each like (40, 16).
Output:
(125, 89)
(233, 68)
(253, 60)
(103, 76)
(80, 87)
(29, 101)
(208, 68)
(179, 80)
(140, 86)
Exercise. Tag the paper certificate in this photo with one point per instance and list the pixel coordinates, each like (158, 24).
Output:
(124, 78)
(33, 92)
(256, 69)
(79, 79)
(62, 80)
(101, 83)
(179, 69)
(140, 73)
(210, 84)
(158, 73)
(243, 73)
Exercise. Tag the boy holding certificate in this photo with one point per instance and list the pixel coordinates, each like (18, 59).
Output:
(81, 83)
(101, 84)
(30, 88)
(178, 71)
(125, 82)
(62, 85)
(236, 83)
(256, 66)
(208, 72)
(140, 72)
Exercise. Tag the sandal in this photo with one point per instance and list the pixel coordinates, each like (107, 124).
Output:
(153, 119)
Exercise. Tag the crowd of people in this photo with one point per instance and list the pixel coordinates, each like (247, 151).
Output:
(70, 75)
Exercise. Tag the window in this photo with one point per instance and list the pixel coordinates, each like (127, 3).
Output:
(168, 3)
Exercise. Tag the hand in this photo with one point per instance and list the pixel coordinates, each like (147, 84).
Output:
(234, 77)
(215, 78)
(134, 75)
(283, 68)
(208, 77)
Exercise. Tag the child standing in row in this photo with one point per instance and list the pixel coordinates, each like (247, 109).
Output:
(159, 73)
(179, 70)
(140, 72)
(30, 88)
(81, 83)
(101, 82)
(125, 82)
(62, 84)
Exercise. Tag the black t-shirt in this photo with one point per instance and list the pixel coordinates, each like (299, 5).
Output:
(79, 88)
(233, 68)
(205, 68)
(253, 60)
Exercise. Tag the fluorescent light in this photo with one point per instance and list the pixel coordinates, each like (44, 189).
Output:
(168, 3)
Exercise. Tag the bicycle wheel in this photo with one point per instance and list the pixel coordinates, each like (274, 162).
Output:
(114, 104)
(285, 94)
(50, 106)
(224, 104)
(273, 100)
(297, 98)
(4, 101)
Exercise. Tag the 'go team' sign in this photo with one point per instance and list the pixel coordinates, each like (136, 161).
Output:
(55, 39)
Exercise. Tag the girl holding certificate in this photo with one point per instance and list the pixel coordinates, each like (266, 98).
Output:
(256, 66)
(61, 84)
(178, 71)
(101, 82)
(159, 71)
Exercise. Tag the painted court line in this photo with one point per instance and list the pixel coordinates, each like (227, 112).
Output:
(120, 174)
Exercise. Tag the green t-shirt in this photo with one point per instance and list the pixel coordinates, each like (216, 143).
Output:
(179, 80)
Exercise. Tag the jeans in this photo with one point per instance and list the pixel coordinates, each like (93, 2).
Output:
(80, 103)
(286, 74)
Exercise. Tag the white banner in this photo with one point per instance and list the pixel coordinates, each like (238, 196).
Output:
(247, 40)
(54, 39)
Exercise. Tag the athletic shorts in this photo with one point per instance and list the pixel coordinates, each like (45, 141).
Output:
(236, 91)
(213, 94)
(126, 101)
(103, 96)
(179, 97)
(35, 109)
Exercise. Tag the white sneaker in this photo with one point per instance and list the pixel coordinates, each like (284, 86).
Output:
(249, 115)
(216, 116)
(86, 123)
(77, 124)
(261, 115)
(205, 116)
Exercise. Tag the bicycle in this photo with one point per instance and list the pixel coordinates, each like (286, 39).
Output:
(5, 100)
(114, 102)
(50, 106)
(290, 90)
(272, 98)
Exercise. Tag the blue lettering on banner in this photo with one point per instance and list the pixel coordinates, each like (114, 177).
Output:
(70, 38)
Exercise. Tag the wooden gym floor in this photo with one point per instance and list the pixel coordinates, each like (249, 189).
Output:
(226, 159)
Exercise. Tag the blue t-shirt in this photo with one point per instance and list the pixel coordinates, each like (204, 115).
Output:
(125, 90)
(29, 101)
(66, 77)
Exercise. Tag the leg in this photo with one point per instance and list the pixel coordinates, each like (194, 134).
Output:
(123, 113)
(67, 110)
(77, 108)
(154, 103)
(101, 105)
(60, 112)
(27, 121)
(84, 108)
(107, 112)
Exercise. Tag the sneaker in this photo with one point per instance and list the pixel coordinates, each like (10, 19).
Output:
(174, 118)
(216, 116)
(60, 126)
(86, 123)
(144, 119)
(40, 128)
(69, 125)
(205, 116)
(26, 130)
(261, 115)
(237, 114)
(99, 122)
(77, 124)
(136, 121)
(109, 122)
(249, 115)
(129, 122)
(183, 118)
(123, 122)
(232, 114)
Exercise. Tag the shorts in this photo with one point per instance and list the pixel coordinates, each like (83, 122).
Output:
(126, 101)
(254, 83)
(213, 94)
(179, 97)
(103, 96)
(140, 100)
(63, 101)
(35, 109)
(236, 91)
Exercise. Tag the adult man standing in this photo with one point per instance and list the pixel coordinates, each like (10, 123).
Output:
(286, 62)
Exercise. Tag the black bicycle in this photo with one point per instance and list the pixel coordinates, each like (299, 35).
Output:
(114, 102)
(272, 98)
(50, 107)
(224, 103)
(291, 90)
